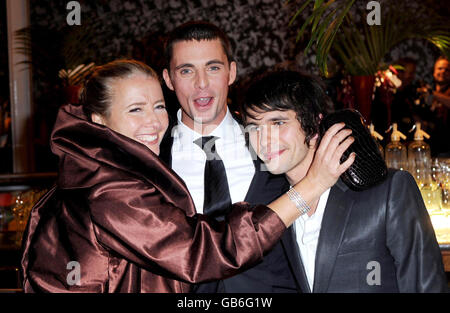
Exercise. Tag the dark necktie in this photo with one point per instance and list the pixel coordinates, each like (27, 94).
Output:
(217, 200)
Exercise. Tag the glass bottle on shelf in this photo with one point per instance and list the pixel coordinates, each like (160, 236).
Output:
(376, 137)
(419, 165)
(395, 152)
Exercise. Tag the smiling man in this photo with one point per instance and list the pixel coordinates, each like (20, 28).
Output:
(208, 148)
(200, 74)
(377, 240)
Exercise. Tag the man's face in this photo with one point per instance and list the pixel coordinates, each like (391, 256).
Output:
(442, 72)
(200, 75)
(279, 141)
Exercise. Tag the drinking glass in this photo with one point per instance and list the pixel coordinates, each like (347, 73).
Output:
(444, 180)
(24, 202)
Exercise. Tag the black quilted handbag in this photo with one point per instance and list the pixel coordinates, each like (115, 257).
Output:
(369, 168)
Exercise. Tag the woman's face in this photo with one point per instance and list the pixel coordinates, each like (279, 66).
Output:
(137, 110)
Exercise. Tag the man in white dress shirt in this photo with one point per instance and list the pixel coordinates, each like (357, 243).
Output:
(200, 68)
(200, 72)
(377, 240)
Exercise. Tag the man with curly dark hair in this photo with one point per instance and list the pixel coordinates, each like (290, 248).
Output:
(377, 240)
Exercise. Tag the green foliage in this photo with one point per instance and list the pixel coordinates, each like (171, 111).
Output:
(361, 47)
(51, 50)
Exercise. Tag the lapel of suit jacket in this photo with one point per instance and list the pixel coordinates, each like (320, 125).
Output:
(334, 222)
(257, 180)
(292, 252)
(165, 151)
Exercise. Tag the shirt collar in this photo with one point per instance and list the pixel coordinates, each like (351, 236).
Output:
(228, 130)
(320, 207)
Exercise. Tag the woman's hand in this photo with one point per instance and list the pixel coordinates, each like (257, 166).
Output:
(326, 167)
(323, 173)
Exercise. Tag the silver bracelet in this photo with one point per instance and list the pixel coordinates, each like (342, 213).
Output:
(300, 204)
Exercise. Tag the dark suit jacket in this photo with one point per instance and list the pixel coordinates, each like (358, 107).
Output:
(263, 189)
(387, 224)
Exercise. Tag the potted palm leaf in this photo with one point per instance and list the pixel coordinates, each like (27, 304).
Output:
(361, 48)
(62, 58)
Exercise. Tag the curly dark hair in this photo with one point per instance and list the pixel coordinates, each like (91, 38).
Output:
(288, 90)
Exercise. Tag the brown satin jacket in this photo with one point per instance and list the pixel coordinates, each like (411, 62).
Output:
(128, 221)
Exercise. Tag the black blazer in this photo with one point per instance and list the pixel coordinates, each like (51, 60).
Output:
(387, 224)
(264, 188)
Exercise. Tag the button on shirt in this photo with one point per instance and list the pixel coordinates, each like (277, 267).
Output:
(307, 230)
(188, 159)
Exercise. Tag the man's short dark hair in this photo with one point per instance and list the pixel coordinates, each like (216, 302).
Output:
(441, 57)
(288, 90)
(196, 30)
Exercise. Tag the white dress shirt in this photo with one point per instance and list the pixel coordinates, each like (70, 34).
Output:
(307, 230)
(188, 159)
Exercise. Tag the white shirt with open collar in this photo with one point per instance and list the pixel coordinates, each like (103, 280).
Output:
(307, 230)
(188, 159)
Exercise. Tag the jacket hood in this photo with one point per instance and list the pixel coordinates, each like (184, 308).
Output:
(91, 153)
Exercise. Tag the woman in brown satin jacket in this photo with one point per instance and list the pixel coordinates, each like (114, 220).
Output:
(120, 220)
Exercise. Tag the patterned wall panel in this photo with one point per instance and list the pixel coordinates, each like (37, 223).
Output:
(258, 29)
